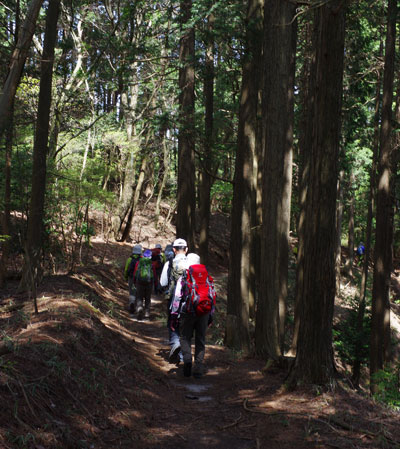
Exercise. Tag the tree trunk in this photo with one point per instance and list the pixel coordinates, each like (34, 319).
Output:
(350, 260)
(371, 205)
(6, 216)
(186, 201)
(278, 112)
(136, 196)
(314, 359)
(206, 184)
(164, 171)
(380, 324)
(240, 261)
(307, 83)
(339, 219)
(39, 169)
(17, 63)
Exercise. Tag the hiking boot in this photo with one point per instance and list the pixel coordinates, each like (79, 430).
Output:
(147, 314)
(140, 313)
(198, 370)
(174, 353)
(187, 369)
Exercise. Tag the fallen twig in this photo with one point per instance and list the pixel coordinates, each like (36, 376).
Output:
(231, 424)
(79, 402)
(26, 399)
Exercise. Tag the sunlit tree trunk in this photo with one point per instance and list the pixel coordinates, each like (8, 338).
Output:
(307, 83)
(35, 230)
(240, 261)
(278, 104)
(314, 358)
(206, 180)
(186, 201)
(17, 63)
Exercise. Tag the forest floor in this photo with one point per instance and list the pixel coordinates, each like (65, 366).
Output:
(83, 374)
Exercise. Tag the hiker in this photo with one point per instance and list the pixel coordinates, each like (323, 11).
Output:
(157, 262)
(192, 309)
(144, 276)
(360, 251)
(172, 270)
(168, 256)
(128, 275)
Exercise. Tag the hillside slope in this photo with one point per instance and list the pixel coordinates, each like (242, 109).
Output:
(82, 374)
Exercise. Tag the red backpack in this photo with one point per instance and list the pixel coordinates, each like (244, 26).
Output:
(199, 291)
(156, 258)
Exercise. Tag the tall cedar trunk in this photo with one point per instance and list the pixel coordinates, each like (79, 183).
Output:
(380, 325)
(17, 63)
(129, 101)
(205, 187)
(314, 358)
(307, 83)
(136, 196)
(35, 230)
(6, 216)
(371, 203)
(256, 71)
(278, 101)
(186, 201)
(163, 137)
(350, 260)
(339, 220)
(240, 261)
(164, 169)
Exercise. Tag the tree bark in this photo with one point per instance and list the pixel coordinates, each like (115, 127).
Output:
(6, 215)
(278, 113)
(307, 86)
(380, 324)
(206, 180)
(17, 63)
(35, 230)
(186, 201)
(371, 205)
(350, 260)
(339, 220)
(314, 359)
(240, 261)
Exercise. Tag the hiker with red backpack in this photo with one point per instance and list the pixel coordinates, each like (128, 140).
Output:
(157, 262)
(172, 271)
(144, 276)
(192, 309)
(128, 274)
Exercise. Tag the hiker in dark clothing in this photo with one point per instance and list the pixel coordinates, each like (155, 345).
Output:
(144, 276)
(128, 274)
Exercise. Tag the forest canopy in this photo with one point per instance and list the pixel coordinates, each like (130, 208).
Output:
(281, 114)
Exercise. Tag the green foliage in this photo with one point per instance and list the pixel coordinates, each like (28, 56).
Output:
(221, 194)
(348, 341)
(388, 385)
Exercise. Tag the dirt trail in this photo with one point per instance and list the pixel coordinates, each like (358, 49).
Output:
(206, 412)
(83, 375)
